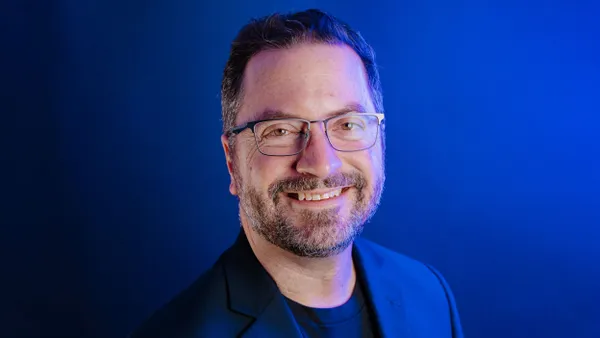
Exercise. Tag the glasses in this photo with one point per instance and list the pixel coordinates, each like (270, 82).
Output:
(289, 136)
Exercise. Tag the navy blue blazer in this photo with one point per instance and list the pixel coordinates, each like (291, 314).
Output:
(238, 298)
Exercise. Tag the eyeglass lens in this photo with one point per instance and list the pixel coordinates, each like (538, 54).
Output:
(289, 136)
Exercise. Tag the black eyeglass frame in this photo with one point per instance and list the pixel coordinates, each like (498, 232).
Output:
(250, 125)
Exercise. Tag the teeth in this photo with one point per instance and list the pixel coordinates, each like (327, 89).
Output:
(317, 197)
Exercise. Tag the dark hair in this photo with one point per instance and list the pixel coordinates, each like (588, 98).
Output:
(279, 31)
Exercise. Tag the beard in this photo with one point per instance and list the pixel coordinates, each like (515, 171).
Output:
(310, 233)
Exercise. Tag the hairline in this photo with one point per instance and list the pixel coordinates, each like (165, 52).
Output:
(303, 39)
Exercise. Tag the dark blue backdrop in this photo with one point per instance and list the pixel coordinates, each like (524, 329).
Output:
(116, 188)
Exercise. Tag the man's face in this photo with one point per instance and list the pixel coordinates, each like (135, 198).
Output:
(313, 82)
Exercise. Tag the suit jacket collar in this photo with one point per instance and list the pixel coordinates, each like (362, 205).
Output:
(383, 289)
(253, 292)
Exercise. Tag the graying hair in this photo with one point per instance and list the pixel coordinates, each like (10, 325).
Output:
(279, 31)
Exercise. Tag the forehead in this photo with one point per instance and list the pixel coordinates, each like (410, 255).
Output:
(309, 80)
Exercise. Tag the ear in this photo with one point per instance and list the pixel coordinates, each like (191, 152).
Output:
(229, 161)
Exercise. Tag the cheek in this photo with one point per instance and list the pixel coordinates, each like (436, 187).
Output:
(376, 158)
(369, 163)
(248, 159)
(264, 170)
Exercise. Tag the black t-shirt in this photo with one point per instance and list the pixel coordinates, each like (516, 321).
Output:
(349, 320)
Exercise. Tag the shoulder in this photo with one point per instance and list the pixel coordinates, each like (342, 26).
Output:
(418, 277)
(423, 288)
(199, 309)
(374, 252)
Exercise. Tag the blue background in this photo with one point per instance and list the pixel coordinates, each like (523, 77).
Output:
(115, 185)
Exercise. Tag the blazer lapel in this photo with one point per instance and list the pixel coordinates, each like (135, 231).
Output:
(383, 292)
(253, 292)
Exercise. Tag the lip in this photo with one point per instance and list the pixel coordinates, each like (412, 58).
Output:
(329, 202)
(319, 191)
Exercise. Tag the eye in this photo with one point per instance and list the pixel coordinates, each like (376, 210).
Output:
(278, 132)
(277, 129)
(348, 125)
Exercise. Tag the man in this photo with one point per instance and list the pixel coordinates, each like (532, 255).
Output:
(304, 144)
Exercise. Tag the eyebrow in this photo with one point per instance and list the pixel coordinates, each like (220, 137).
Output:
(268, 114)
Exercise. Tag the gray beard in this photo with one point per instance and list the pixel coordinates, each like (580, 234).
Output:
(314, 234)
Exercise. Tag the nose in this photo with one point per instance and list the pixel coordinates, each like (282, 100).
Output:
(318, 157)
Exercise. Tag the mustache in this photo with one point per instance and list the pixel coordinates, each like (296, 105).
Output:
(310, 183)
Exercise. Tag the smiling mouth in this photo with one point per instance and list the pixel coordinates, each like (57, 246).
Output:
(309, 196)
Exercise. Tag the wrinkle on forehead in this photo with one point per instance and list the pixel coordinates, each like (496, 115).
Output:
(269, 114)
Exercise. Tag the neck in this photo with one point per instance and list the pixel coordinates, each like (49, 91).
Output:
(315, 282)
